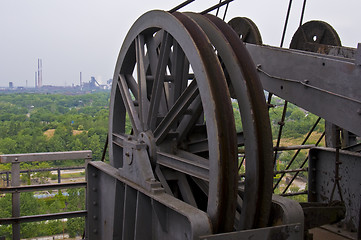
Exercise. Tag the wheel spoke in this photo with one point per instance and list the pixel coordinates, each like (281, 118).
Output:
(133, 86)
(180, 71)
(198, 146)
(176, 111)
(158, 84)
(201, 145)
(119, 139)
(185, 189)
(185, 162)
(129, 105)
(190, 120)
(163, 180)
(152, 51)
(142, 82)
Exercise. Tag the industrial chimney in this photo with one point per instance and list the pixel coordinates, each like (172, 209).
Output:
(40, 73)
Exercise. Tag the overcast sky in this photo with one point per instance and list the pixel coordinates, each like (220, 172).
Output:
(73, 36)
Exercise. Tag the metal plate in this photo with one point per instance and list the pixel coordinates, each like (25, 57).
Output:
(120, 209)
(322, 179)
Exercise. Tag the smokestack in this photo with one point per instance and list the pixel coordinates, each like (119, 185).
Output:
(81, 82)
(36, 79)
(40, 73)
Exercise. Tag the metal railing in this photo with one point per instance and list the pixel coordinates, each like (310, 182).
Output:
(7, 173)
(15, 189)
(299, 168)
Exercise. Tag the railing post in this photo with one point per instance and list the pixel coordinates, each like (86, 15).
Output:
(15, 181)
(59, 176)
(7, 179)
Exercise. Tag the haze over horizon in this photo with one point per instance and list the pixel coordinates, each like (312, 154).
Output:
(85, 35)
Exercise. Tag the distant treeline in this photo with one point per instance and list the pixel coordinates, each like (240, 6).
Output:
(54, 122)
(49, 123)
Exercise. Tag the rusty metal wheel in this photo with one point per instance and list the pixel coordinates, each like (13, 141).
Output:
(314, 32)
(255, 138)
(170, 85)
(246, 29)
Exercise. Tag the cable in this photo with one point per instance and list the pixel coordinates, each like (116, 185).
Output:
(218, 8)
(286, 23)
(303, 12)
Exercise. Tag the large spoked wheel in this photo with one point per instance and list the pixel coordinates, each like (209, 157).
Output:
(255, 137)
(170, 85)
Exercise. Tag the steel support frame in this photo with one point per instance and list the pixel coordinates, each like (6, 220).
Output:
(327, 86)
(121, 209)
(118, 208)
(321, 179)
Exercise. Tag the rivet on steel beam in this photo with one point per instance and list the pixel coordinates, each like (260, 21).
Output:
(95, 203)
(94, 175)
(95, 231)
(16, 159)
(297, 228)
(306, 81)
(359, 111)
(95, 217)
(94, 189)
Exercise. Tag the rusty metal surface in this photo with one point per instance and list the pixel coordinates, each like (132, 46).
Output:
(284, 232)
(318, 214)
(322, 181)
(318, 32)
(332, 232)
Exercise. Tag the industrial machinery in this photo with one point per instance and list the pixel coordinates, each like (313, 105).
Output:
(178, 167)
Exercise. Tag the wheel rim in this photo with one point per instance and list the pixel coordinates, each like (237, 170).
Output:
(256, 130)
(151, 85)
